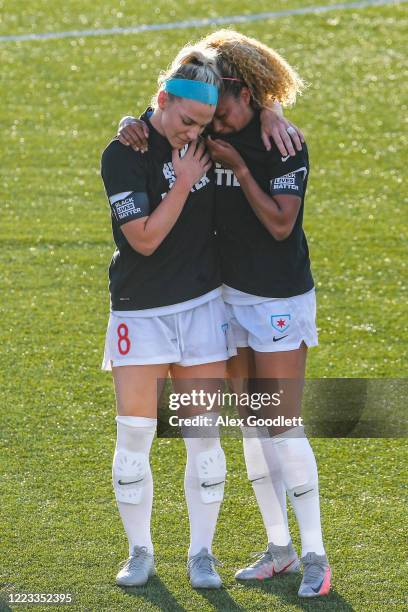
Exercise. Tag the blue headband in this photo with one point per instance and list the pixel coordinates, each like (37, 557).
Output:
(194, 90)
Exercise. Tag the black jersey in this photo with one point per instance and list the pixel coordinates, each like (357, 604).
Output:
(251, 259)
(185, 265)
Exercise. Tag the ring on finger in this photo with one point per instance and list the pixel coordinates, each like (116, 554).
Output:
(291, 130)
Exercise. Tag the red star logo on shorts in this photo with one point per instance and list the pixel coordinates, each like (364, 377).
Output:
(281, 322)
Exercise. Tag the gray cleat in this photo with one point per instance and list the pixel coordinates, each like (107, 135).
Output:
(201, 570)
(137, 569)
(273, 561)
(316, 576)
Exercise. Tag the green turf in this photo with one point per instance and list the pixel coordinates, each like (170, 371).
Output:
(38, 16)
(58, 541)
(61, 100)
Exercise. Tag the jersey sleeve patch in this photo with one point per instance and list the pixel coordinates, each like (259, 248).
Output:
(291, 183)
(129, 205)
(122, 169)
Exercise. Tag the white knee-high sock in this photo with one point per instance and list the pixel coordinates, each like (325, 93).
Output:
(132, 478)
(266, 478)
(299, 472)
(204, 489)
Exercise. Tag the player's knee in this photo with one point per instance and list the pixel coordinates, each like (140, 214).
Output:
(131, 470)
(131, 403)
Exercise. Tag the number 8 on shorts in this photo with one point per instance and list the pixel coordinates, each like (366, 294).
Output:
(123, 339)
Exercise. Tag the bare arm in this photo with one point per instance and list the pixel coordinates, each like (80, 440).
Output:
(277, 213)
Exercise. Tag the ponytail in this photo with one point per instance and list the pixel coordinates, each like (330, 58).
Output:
(193, 62)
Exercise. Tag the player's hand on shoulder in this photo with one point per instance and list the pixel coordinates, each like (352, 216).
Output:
(193, 165)
(133, 132)
(275, 127)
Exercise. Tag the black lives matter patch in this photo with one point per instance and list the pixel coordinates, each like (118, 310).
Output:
(291, 183)
(128, 206)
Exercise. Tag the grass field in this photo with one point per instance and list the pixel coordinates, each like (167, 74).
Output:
(61, 100)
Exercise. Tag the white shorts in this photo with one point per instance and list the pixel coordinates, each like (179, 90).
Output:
(279, 324)
(191, 337)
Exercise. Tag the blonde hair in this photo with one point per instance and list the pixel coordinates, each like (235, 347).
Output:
(194, 62)
(267, 75)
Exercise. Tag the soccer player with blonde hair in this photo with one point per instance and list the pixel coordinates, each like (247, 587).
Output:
(167, 313)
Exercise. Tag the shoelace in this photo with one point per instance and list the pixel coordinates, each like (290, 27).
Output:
(312, 571)
(263, 556)
(204, 563)
(136, 560)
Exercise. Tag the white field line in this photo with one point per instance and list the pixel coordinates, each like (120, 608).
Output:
(199, 23)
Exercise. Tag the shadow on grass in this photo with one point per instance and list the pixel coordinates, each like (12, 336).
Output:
(221, 600)
(156, 593)
(5, 590)
(286, 588)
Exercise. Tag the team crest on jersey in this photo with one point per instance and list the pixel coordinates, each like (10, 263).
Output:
(280, 322)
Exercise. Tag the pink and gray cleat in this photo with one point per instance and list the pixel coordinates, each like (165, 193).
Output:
(274, 561)
(316, 576)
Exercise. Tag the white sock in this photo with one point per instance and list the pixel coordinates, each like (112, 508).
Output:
(299, 472)
(203, 514)
(266, 478)
(134, 439)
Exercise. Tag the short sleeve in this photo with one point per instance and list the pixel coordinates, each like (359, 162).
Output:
(288, 174)
(290, 184)
(124, 177)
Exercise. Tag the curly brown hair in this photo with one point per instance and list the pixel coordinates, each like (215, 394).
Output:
(267, 75)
